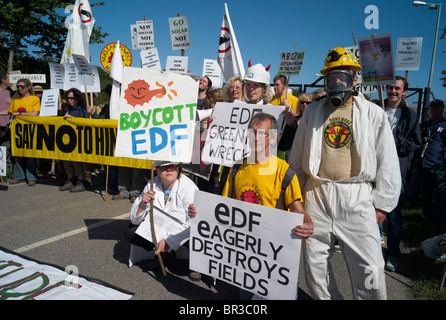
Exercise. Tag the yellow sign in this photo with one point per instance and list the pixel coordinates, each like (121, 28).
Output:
(107, 55)
(73, 139)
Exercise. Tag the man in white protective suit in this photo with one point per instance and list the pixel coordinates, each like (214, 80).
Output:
(345, 156)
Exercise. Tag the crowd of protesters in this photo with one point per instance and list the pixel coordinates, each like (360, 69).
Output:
(345, 150)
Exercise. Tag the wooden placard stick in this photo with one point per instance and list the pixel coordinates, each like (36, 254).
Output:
(152, 223)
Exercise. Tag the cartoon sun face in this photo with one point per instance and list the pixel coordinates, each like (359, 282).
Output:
(138, 92)
(250, 196)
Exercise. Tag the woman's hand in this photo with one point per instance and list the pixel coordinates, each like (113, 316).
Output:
(148, 197)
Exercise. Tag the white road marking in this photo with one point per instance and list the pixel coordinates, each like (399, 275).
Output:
(70, 233)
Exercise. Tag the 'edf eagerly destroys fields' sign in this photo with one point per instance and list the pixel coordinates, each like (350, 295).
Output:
(245, 244)
(157, 115)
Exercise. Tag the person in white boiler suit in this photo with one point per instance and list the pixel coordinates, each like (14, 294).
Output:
(173, 193)
(348, 168)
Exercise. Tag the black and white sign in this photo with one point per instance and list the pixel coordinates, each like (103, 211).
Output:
(247, 245)
(179, 33)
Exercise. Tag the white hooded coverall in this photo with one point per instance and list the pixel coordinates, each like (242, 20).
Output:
(181, 196)
(345, 209)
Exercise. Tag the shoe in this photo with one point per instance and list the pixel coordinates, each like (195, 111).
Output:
(391, 264)
(133, 198)
(154, 264)
(119, 197)
(68, 185)
(337, 248)
(79, 187)
(16, 181)
(194, 276)
(32, 183)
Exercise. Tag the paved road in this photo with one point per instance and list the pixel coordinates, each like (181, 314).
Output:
(86, 230)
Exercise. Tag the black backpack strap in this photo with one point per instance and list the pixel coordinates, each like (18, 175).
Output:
(235, 168)
(290, 173)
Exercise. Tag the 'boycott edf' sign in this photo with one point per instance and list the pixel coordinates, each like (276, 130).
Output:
(247, 245)
(157, 115)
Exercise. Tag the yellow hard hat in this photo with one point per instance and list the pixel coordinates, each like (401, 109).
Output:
(340, 57)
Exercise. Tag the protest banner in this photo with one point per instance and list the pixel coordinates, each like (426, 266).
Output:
(107, 55)
(226, 139)
(94, 80)
(144, 37)
(177, 64)
(57, 75)
(291, 63)
(408, 54)
(212, 69)
(83, 69)
(73, 139)
(164, 223)
(49, 103)
(365, 89)
(377, 64)
(179, 33)
(157, 115)
(25, 279)
(34, 78)
(71, 79)
(150, 59)
(247, 245)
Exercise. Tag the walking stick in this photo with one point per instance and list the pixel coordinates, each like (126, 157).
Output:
(152, 223)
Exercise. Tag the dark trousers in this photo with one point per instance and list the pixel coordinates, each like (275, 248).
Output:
(433, 190)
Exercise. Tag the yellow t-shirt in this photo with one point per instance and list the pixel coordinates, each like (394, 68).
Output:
(262, 183)
(31, 103)
(293, 100)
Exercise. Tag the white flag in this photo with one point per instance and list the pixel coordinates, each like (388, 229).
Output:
(229, 57)
(116, 74)
(80, 25)
(116, 65)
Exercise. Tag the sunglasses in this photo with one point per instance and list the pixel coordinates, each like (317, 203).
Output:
(20, 87)
(171, 167)
(71, 98)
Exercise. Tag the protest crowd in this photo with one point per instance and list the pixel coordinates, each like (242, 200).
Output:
(344, 163)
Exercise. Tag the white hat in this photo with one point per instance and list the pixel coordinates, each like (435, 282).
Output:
(257, 73)
(163, 163)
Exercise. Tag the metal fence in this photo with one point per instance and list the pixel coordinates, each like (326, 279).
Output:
(414, 97)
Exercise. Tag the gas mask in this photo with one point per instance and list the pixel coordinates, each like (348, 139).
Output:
(338, 85)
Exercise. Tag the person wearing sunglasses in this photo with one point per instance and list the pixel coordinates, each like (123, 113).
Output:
(292, 121)
(172, 193)
(75, 170)
(24, 103)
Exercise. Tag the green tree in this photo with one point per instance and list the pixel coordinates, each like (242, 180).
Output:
(39, 25)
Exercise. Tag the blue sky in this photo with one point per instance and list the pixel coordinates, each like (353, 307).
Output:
(266, 28)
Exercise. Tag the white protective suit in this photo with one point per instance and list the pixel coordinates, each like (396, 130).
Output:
(346, 209)
(181, 196)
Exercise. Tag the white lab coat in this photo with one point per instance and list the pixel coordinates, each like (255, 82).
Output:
(346, 209)
(181, 196)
